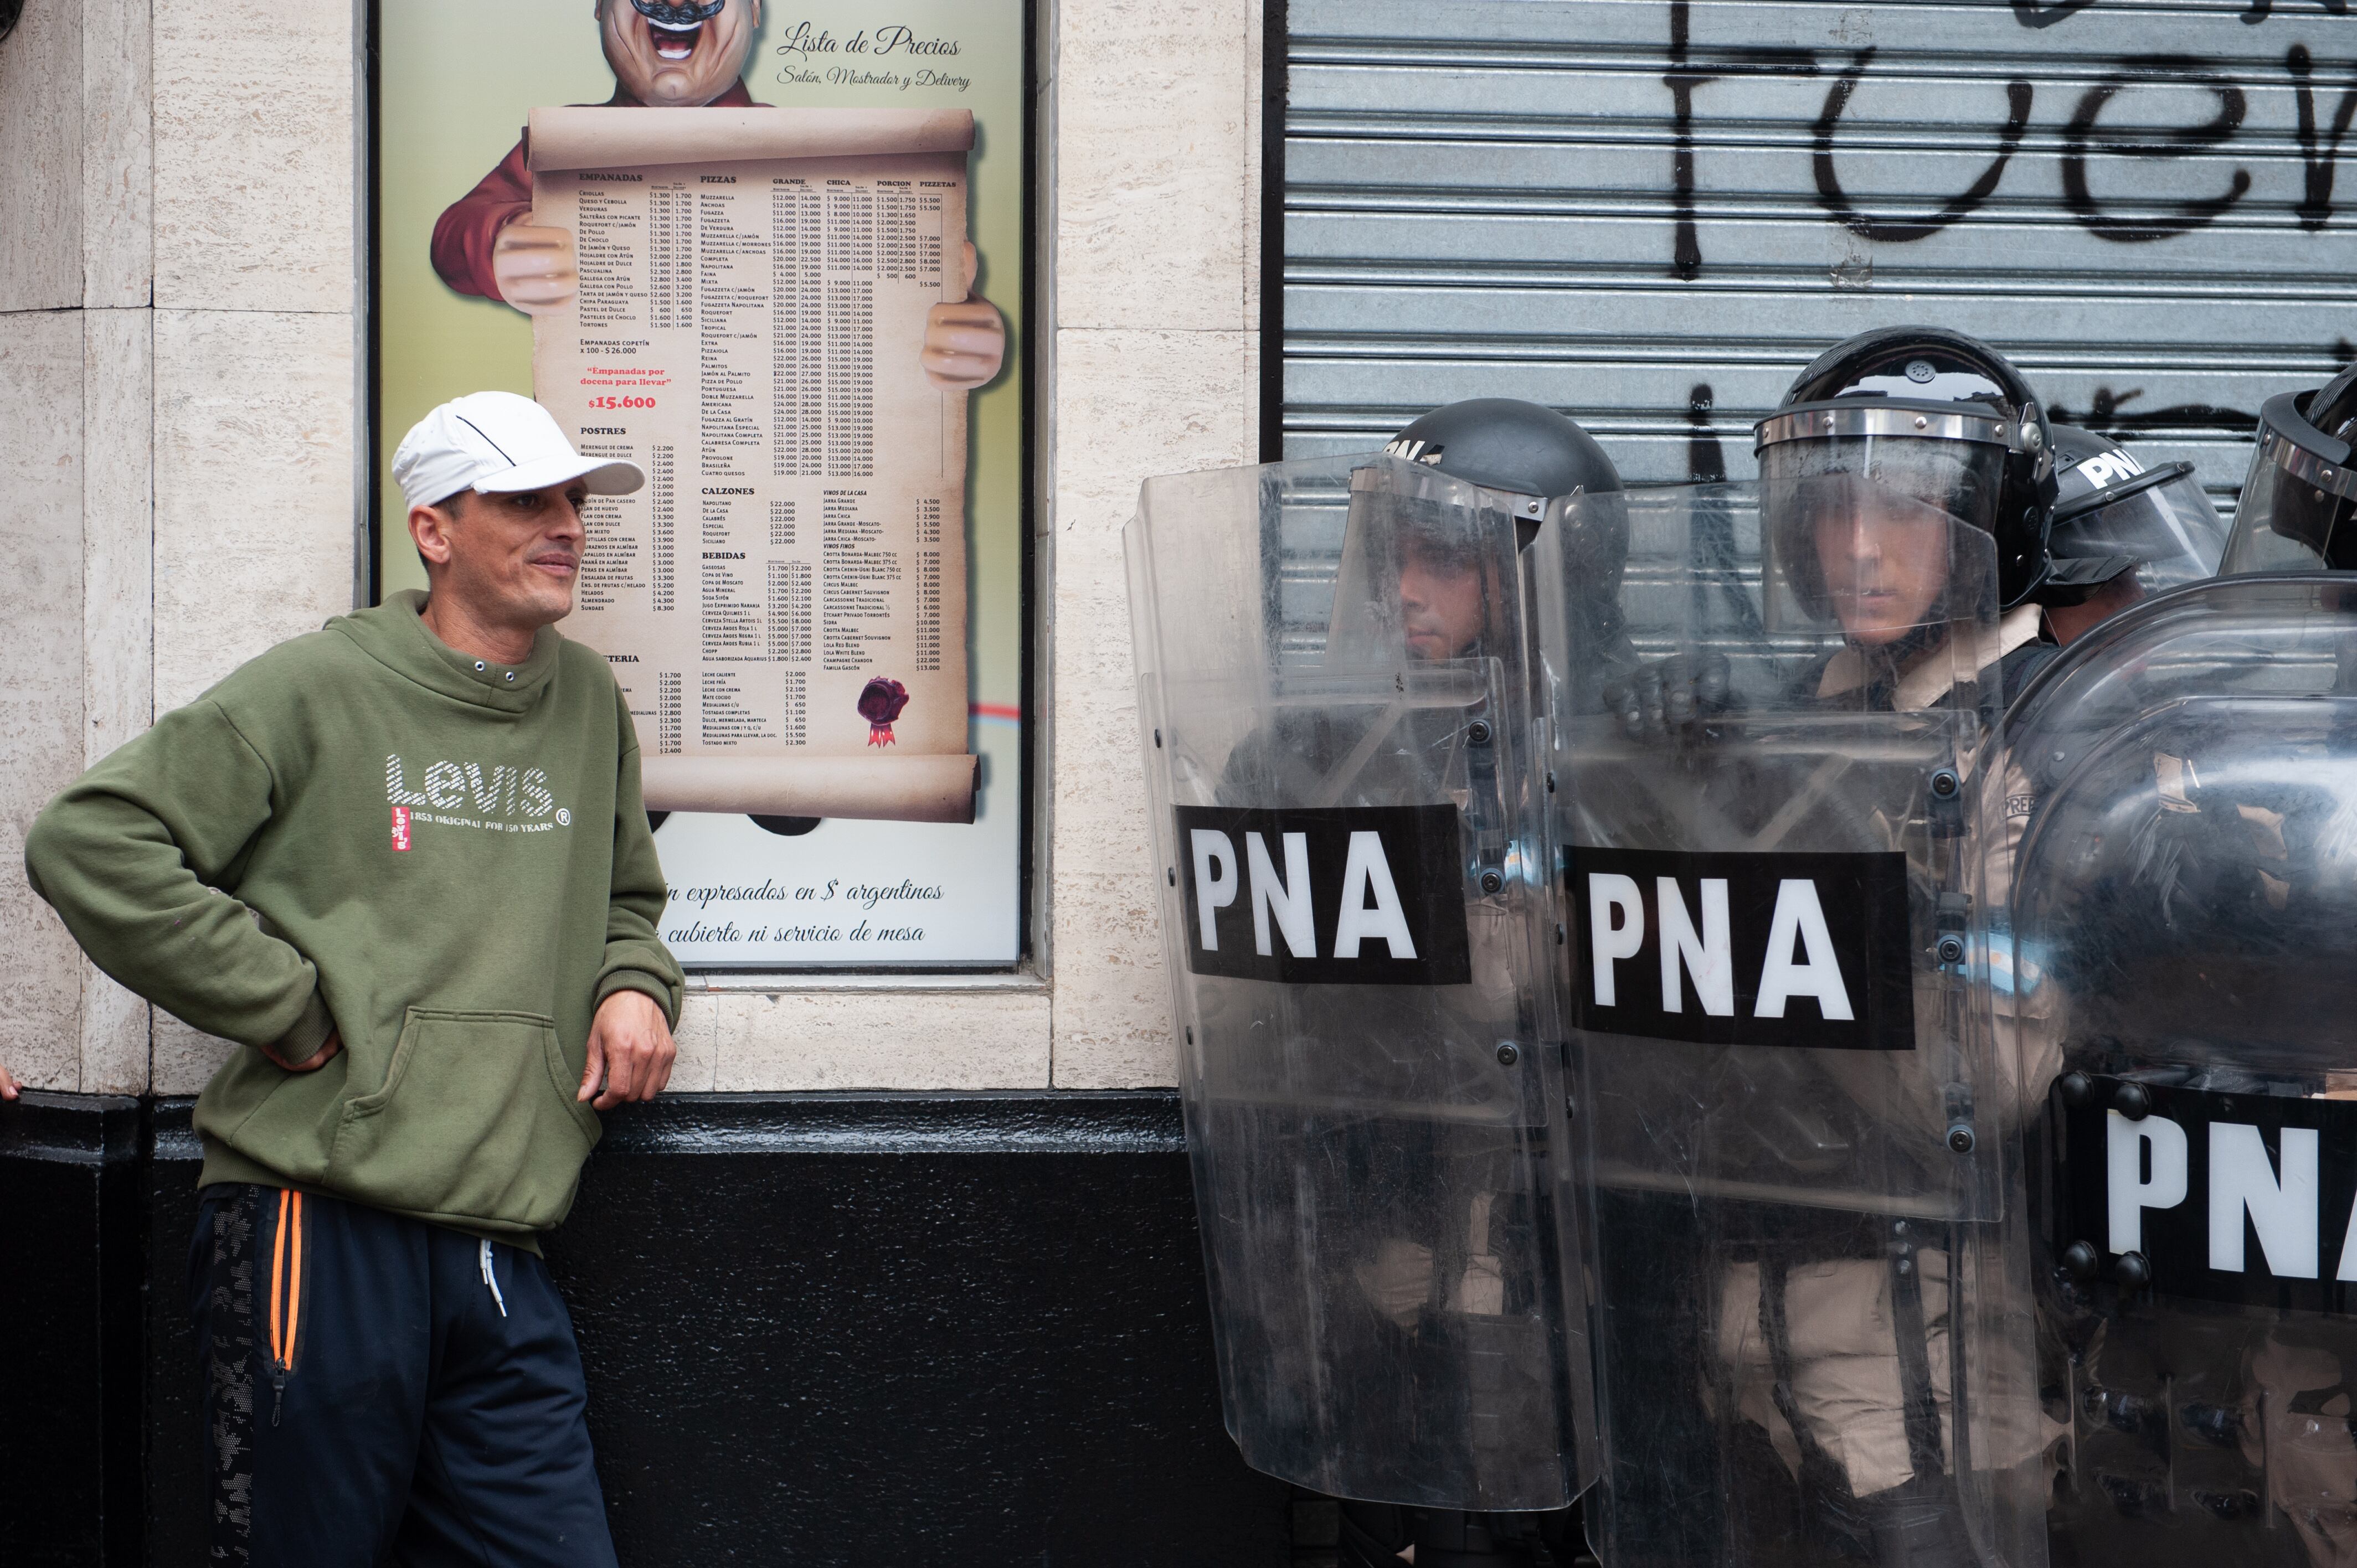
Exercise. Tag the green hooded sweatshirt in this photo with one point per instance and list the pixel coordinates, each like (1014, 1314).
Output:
(443, 860)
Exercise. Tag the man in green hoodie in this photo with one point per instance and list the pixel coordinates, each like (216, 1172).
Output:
(402, 862)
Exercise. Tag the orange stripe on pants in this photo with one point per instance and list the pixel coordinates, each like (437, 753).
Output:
(277, 1273)
(294, 1288)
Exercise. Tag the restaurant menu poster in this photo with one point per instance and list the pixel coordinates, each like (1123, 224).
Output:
(814, 606)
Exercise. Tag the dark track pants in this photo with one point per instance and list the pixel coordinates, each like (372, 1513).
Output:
(368, 1401)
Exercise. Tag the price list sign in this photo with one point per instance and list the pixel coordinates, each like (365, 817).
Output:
(785, 601)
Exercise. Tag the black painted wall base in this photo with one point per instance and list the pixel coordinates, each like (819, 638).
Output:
(70, 1413)
(856, 1330)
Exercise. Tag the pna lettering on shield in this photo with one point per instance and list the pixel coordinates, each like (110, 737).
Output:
(1807, 950)
(1332, 896)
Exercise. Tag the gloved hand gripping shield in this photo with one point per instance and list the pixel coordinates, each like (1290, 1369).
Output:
(1764, 745)
(2183, 783)
(1336, 711)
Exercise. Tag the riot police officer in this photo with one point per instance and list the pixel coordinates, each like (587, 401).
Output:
(1336, 689)
(2179, 920)
(2176, 915)
(2299, 494)
(2121, 531)
(1795, 1113)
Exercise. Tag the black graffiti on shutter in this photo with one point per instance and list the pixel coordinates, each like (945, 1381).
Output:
(2085, 139)
(1833, 200)
(2315, 208)
(2292, 1237)
(1842, 921)
(2030, 14)
(1685, 245)
(2104, 415)
(2259, 9)
(1716, 559)
(2192, 213)
(2033, 14)
(1334, 895)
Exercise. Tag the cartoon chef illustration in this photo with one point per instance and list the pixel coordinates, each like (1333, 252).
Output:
(490, 243)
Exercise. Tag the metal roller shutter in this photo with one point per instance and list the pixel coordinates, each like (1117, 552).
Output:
(1610, 207)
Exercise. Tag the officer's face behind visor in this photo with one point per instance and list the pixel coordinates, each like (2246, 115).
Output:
(1865, 528)
(1443, 603)
(1882, 556)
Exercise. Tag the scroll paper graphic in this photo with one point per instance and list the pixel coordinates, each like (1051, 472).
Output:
(754, 289)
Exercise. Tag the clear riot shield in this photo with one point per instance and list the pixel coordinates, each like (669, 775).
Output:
(1794, 1119)
(1336, 715)
(2183, 787)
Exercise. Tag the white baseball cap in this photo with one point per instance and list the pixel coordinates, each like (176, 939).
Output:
(497, 443)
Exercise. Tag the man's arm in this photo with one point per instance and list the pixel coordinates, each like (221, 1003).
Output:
(640, 983)
(126, 856)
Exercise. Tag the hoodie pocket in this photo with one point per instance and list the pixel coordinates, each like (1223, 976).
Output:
(476, 1119)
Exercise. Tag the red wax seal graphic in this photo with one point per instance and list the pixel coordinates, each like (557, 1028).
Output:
(880, 702)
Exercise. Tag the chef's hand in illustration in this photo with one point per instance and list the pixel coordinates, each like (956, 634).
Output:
(965, 342)
(532, 264)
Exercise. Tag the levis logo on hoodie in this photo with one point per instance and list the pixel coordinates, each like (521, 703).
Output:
(499, 797)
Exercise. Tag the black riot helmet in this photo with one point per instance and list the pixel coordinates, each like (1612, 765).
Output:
(1921, 418)
(2115, 514)
(2297, 502)
(1544, 469)
(1518, 449)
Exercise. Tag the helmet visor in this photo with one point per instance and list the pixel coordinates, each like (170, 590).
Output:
(1428, 571)
(1859, 531)
(2289, 522)
(2167, 533)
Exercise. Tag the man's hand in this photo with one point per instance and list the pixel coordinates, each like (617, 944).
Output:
(312, 1063)
(7, 1084)
(965, 342)
(533, 266)
(629, 1048)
